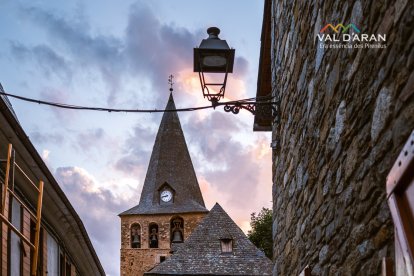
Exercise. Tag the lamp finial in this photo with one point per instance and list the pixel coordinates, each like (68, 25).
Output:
(213, 32)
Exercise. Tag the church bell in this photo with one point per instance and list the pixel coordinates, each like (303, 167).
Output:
(177, 236)
(136, 240)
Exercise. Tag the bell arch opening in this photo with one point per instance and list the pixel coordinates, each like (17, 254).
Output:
(153, 235)
(177, 230)
(135, 235)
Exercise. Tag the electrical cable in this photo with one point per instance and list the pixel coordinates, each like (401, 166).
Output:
(78, 107)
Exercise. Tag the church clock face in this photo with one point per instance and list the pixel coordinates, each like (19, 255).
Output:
(166, 196)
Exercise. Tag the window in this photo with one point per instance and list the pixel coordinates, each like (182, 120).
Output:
(153, 235)
(135, 236)
(68, 269)
(52, 256)
(162, 258)
(62, 264)
(65, 265)
(177, 230)
(226, 245)
(15, 243)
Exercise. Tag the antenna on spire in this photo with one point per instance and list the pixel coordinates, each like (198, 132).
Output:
(170, 81)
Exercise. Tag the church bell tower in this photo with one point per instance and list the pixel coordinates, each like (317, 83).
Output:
(171, 203)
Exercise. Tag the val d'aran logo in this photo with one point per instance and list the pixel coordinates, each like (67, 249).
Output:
(339, 27)
(349, 36)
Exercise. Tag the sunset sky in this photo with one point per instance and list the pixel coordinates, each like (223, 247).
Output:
(119, 54)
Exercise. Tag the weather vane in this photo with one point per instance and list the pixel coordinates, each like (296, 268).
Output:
(170, 81)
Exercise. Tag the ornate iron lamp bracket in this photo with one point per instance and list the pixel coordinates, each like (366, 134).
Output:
(235, 107)
(251, 106)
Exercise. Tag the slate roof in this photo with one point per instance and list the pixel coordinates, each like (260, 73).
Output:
(170, 163)
(201, 252)
(8, 103)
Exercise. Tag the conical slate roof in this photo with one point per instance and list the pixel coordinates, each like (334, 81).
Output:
(171, 165)
(201, 252)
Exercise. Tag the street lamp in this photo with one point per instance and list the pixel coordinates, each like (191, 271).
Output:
(215, 56)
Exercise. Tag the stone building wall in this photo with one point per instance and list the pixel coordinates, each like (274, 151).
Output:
(136, 261)
(345, 115)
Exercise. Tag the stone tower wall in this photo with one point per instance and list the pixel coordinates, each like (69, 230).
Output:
(345, 115)
(136, 261)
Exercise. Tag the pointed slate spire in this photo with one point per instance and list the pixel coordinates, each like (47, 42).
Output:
(201, 253)
(171, 165)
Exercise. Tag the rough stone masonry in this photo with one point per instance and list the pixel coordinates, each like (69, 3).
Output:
(345, 115)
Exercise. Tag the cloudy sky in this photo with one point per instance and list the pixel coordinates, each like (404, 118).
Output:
(119, 54)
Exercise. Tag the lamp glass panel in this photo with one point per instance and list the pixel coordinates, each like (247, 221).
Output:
(214, 61)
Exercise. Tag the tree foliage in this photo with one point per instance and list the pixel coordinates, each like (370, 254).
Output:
(261, 233)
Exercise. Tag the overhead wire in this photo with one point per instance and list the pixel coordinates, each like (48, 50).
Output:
(79, 107)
